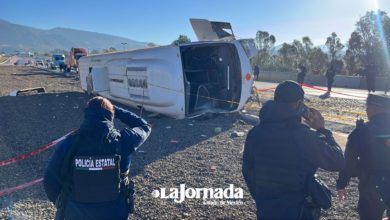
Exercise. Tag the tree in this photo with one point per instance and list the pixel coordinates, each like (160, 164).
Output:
(182, 39)
(95, 51)
(307, 47)
(334, 45)
(151, 44)
(354, 52)
(295, 53)
(300, 51)
(109, 50)
(307, 43)
(318, 60)
(288, 53)
(374, 31)
(264, 42)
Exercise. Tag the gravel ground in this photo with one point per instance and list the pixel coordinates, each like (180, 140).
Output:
(178, 152)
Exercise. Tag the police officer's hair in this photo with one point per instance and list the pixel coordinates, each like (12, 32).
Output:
(101, 102)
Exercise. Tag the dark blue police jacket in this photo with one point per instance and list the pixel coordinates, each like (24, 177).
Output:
(280, 154)
(98, 128)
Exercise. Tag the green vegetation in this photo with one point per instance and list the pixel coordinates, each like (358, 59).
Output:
(182, 39)
(109, 50)
(367, 49)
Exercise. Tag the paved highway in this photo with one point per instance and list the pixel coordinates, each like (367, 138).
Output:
(358, 94)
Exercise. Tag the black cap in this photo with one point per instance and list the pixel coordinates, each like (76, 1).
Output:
(288, 91)
(379, 100)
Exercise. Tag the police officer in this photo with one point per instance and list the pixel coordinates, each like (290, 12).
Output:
(302, 73)
(87, 176)
(334, 68)
(256, 72)
(367, 156)
(370, 72)
(281, 156)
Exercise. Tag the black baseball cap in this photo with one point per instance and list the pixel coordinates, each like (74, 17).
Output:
(288, 91)
(378, 100)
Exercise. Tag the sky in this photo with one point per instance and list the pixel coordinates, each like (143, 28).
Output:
(162, 21)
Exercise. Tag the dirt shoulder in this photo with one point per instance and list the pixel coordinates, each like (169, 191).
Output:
(187, 151)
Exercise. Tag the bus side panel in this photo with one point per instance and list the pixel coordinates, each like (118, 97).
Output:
(152, 78)
(246, 75)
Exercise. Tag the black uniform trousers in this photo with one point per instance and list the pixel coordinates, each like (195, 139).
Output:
(369, 206)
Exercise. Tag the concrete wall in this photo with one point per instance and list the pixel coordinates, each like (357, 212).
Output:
(357, 82)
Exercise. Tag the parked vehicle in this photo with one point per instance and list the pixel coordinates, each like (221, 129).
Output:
(59, 61)
(72, 62)
(52, 65)
(39, 63)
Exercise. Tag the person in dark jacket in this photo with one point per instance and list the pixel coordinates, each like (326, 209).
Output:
(87, 176)
(335, 68)
(281, 156)
(302, 73)
(256, 72)
(370, 73)
(367, 157)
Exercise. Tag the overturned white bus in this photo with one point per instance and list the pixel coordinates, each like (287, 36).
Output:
(186, 80)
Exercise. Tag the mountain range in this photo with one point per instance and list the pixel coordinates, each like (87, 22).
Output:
(15, 37)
